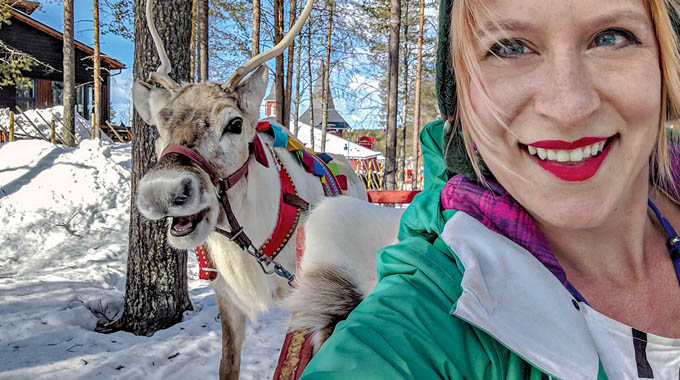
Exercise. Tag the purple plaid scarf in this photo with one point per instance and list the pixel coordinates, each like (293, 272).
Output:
(499, 212)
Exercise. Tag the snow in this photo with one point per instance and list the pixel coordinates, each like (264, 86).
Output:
(64, 227)
(41, 119)
(336, 144)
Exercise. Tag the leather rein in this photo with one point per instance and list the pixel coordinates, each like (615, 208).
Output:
(264, 256)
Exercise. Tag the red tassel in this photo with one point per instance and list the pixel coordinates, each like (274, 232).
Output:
(342, 181)
(258, 151)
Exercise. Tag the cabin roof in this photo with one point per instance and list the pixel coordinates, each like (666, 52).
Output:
(23, 17)
(25, 6)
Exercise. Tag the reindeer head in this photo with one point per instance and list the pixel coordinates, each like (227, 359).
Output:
(217, 121)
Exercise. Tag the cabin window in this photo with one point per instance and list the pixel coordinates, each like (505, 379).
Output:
(57, 93)
(26, 95)
(84, 98)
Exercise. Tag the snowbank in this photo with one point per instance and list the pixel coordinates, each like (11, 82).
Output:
(42, 117)
(64, 219)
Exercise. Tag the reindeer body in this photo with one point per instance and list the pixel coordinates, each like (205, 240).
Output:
(219, 125)
(338, 269)
(209, 129)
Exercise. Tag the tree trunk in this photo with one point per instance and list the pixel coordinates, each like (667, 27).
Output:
(404, 104)
(278, 79)
(256, 28)
(202, 40)
(416, 105)
(326, 84)
(311, 82)
(69, 75)
(289, 71)
(392, 98)
(156, 292)
(192, 44)
(96, 77)
(298, 66)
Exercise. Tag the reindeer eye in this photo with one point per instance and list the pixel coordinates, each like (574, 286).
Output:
(234, 126)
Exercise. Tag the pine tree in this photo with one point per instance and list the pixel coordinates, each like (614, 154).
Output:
(156, 291)
(202, 16)
(96, 76)
(416, 106)
(390, 180)
(69, 74)
(326, 79)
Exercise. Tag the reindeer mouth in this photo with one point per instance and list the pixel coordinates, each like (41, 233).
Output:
(184, 225)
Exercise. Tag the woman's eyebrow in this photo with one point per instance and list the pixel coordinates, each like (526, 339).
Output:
(506, 25)
(626, 15)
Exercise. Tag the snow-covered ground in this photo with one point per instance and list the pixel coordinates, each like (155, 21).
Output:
(26, 123)
(63, 244)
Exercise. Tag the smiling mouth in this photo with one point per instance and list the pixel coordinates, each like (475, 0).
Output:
(577, 161)
(184, 225)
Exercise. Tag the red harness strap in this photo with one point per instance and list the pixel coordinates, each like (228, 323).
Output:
(206, 269)
(288, 217)
(290, 207)
(295, 354)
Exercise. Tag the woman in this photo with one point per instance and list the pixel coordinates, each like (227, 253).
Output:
(556, 255)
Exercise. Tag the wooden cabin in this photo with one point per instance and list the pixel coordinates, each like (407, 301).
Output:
(46, 45)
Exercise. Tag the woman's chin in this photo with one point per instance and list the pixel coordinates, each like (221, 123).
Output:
(579, 215)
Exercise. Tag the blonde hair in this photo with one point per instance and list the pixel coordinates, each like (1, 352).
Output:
(464, 14)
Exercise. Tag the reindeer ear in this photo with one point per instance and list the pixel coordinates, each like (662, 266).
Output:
(252, 89)
(149, 100)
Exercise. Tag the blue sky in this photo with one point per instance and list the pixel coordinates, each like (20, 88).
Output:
(51, 14)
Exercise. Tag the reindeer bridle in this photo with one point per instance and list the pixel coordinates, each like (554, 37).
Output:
(222, 185)
(162, 77)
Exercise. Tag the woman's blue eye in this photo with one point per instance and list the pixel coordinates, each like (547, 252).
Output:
(615, 37)
(508, 49)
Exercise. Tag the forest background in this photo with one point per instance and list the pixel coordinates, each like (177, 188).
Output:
(358, 70)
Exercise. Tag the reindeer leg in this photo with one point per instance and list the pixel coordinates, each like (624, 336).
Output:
(233, 334)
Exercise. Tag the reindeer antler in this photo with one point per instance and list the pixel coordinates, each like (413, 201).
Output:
(161, 75)
(265, 56)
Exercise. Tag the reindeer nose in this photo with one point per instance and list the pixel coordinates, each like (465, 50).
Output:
(164, 192)
(185, 190)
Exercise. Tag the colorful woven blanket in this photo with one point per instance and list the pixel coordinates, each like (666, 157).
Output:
(318, 164)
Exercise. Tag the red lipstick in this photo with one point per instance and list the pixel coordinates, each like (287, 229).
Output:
(559, 144)
(573, 173)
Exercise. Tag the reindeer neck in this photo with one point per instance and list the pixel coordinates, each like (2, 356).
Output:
(255, 199)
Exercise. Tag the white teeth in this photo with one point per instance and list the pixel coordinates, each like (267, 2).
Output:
(542, 154)
(574, 155)
(552, 155)
(562, 156)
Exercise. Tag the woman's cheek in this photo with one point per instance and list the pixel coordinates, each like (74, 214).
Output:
(509, 93)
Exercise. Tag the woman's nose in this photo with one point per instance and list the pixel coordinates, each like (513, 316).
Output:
(567, 94)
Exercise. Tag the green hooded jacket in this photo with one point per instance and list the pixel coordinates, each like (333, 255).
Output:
(431, 318)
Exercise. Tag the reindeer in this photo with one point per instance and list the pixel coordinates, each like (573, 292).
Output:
(220, 185)
(338, 269)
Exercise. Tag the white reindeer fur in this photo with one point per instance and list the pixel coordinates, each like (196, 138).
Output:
(257, 211)
(348, 232)
(338, 270)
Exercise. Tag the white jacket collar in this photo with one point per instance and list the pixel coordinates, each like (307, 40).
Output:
(509, 294)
